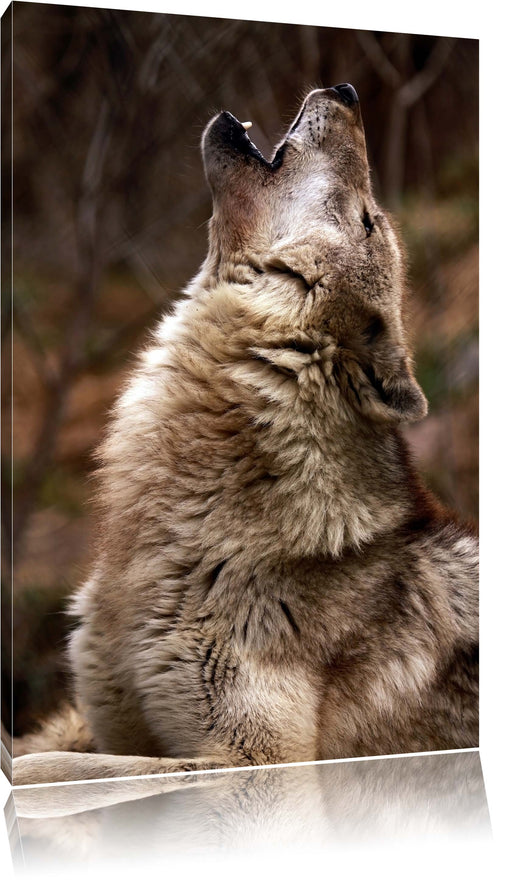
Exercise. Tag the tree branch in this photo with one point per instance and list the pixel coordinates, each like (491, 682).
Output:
(378, 58)
(416, 87)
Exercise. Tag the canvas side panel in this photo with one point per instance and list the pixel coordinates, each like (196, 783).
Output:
(6, 387)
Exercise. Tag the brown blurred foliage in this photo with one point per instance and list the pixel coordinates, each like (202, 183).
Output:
(110, 206)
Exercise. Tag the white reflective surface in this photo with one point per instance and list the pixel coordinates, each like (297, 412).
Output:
(313, 809)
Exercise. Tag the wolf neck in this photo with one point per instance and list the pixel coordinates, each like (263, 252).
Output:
(239, 461)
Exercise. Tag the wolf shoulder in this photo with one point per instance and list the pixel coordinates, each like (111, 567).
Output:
(449, 559)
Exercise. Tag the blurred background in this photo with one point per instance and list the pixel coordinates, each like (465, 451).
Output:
(110, 211)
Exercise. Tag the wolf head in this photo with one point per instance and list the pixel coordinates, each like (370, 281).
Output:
(317, 180)
(309, 217)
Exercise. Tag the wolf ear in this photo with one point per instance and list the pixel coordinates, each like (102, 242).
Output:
(399, 397)
(376, 378)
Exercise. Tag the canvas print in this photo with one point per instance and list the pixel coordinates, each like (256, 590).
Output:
(240, 375)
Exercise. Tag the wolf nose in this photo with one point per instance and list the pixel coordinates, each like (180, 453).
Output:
(347, 93)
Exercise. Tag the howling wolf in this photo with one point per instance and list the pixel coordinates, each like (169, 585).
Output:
(272, 581)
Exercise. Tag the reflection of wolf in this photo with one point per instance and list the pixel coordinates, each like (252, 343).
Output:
(273, 583)
(425, 797)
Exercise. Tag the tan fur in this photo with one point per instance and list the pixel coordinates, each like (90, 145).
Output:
(272, 582)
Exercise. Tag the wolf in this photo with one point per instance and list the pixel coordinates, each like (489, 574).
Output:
(273, 583)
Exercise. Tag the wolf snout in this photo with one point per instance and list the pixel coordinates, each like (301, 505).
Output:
(347, 94)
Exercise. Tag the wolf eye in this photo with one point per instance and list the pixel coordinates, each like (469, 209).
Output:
(367, 223)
